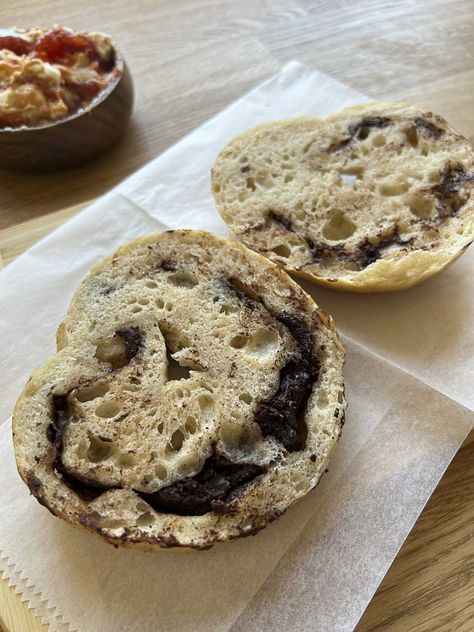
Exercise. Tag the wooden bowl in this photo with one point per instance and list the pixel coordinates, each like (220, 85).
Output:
(75, 139)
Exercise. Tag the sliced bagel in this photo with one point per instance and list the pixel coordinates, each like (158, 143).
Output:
(196, 394)
(377, 197)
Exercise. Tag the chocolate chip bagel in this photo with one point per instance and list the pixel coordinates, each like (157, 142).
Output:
(195, 395)
(377, 197)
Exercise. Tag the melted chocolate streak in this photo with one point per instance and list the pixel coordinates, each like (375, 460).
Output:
(218, 482)
(283, 415)
(365, 254)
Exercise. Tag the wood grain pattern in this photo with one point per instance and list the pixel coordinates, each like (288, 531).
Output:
(189, 59)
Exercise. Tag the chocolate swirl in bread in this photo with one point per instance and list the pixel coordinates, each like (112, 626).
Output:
(196, 394)
(377, 197)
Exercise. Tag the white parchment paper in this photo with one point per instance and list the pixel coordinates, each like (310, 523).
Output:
(318, 566)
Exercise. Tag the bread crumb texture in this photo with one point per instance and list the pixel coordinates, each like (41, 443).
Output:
(196, 394)
(377, 197)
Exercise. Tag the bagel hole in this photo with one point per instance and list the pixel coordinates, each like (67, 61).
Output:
(88, 393)
(108, 410)
(339, 226)
(99, 450)
(421, 206)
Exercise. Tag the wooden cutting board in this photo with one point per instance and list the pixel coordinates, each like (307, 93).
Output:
(430, 585)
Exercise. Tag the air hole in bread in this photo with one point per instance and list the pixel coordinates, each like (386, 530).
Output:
(99, 449)
(339, 226)
(176, 371)
(145, 519)
(282, 250)
(160, 427)
(265, 181)
(143, 301)
(262, 343)
(82, 449)
(378, 140)
(136, 309)
(216, 188)
(127, 459)
(205, 402)
(191, 424)
(250, 184)
(88, 393)
(108, 410)
(112, 351)
(412, 136)
(159, 302)
(246, 398)
(288, 178)
(151, 284)
(348, 179)
(160, 471)
(238, 342)
(177, 440)
(394, 188)
(183, 279)
(421, 206)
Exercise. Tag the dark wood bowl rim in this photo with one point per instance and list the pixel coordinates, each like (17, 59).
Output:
(119, 63)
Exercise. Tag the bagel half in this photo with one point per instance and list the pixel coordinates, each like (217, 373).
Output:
(377, 197)
(195, 395)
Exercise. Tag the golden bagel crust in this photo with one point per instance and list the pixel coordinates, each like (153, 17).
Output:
(172, 353)
(377, 197)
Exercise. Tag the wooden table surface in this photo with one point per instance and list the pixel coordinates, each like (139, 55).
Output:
(190, 58)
